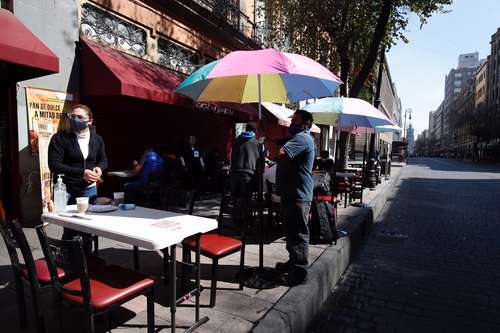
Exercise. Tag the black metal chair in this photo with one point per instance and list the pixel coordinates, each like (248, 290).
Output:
(273, 206)
(96, 291)
(34, 271)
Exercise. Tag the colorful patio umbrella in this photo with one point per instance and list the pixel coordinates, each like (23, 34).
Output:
(347, 114)
(388, 129)
(283, 115)
(263, 75)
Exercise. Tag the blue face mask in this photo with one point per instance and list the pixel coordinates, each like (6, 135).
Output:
(295, 128)
(78, 124)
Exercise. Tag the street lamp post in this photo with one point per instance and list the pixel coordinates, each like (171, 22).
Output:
(408, 111)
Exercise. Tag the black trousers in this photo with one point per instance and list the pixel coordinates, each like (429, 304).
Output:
(296, 217)
(241, 191)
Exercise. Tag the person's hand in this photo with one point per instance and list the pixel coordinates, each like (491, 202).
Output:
(90, 176)
(98, 171)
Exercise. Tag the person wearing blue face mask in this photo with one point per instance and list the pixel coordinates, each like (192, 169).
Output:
(295, 187)
(78, 153)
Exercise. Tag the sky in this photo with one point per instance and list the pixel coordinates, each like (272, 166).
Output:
(419, 67)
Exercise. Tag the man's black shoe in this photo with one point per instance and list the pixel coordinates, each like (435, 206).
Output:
(282, 267)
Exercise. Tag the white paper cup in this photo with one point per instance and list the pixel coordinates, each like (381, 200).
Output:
(82, 204)
(119, 197)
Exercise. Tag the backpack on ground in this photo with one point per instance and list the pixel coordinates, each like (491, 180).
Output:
(322, 228)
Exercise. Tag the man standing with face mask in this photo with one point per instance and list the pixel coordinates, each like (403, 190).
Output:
(295, 187)
(78, 153)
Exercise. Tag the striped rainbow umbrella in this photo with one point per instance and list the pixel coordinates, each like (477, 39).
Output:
(256, 76)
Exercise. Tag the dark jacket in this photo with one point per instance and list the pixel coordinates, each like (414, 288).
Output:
(65, 157)
(245, 157)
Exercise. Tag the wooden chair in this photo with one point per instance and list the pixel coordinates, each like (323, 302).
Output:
(97, 291)
(217, 246)
(34, 271)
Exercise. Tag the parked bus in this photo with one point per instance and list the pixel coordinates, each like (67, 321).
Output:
(399, 151)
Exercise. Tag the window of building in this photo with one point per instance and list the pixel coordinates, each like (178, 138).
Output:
(177, 57)
(456, 90)
(457, 75)
(105, 27)
(458, 83)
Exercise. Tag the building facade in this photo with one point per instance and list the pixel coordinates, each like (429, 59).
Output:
(124, 59)
(455, 81)
(481, 84)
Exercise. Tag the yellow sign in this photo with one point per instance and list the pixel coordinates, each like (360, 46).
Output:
(47, 114)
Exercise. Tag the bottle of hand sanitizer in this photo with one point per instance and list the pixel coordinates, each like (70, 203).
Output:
(60, 195)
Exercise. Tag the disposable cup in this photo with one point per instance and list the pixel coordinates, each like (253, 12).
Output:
(82, 204)
(119, 197)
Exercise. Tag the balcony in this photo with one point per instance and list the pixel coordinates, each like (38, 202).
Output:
(229, 11)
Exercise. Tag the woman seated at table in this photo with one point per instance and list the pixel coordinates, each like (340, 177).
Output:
(148, 173)
(324, 162)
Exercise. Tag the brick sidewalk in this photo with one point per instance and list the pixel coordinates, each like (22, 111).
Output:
(431, 263)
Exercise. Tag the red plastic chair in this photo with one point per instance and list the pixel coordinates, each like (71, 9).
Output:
(99, 290)
(217, 246)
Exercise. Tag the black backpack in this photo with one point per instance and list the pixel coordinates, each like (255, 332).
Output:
(322, 229)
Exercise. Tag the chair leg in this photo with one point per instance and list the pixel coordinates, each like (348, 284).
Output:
(91, 322)
(345, 200)
(213, 287)
(242, 266)
(21, 302)
(151, 310)
(96, 244)
(39, 320)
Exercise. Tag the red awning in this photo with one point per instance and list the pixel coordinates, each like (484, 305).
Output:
(108, 72)
(23, 54)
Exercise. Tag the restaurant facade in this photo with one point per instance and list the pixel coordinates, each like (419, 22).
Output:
(123, 58)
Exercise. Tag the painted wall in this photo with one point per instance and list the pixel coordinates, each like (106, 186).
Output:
(55, 23)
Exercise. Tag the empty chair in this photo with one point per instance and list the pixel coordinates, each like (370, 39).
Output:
(99, 290)
(34, 271)
(217, 246)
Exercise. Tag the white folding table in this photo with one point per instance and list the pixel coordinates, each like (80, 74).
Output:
(151, 229)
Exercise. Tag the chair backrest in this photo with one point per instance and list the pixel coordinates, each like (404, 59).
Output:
(14, 238)
(69, 256)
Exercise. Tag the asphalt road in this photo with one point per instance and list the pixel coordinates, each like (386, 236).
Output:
(432, 261)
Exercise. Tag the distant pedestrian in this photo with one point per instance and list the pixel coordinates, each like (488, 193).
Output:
(245, 160)
(295, 187)
(191, 160)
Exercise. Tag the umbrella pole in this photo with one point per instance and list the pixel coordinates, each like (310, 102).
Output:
(261, 185)
(260, 277)
(364, 167)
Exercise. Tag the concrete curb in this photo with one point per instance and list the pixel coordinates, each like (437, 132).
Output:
(299, 305)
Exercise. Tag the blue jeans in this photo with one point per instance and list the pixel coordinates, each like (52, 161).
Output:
(69, 234)
(88, 192)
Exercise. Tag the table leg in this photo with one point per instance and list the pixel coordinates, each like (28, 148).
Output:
(136, 258)
(173, 289)
(198, 276)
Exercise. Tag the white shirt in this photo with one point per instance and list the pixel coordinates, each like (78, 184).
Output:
(83, 141)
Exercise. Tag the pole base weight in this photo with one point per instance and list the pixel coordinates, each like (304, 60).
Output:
(260, 278)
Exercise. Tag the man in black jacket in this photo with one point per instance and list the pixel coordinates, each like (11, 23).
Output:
(245, 159)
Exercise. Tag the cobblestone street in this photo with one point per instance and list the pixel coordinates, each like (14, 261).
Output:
(431, 263)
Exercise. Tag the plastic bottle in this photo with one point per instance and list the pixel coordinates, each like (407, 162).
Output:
(60, 195)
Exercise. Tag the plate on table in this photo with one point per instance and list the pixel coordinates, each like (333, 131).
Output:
(102, 208)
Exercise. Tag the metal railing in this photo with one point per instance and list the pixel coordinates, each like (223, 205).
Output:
(229, 10)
